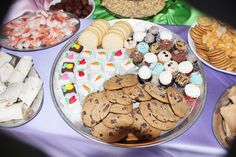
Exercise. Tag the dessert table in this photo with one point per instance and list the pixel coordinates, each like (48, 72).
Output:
(50, 133)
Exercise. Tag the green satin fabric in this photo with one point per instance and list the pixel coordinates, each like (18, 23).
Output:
(175, 12)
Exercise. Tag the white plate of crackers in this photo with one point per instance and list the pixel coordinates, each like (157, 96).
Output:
(214, 43)
(128, 83)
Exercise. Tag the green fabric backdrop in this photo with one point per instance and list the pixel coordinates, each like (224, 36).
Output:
(175, 12)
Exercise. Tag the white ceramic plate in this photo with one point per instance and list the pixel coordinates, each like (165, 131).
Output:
(193, 48)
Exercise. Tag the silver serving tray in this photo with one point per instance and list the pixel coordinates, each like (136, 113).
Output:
(182, 126)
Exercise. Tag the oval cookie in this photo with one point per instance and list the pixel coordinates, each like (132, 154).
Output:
(152, 120)
(178, 102)
(141, 129)
(118, 120)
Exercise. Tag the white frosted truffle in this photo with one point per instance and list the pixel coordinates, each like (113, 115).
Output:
(165, 78)
(192, 90)
(185, 67)
(144, 73)
(150, 58)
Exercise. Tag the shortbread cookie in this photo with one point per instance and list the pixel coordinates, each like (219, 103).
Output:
(89, 39)
(141, 129)
(118, 96)
(109, 135)
(137, 93)
(116, 31)
(103, 23)
(161, 111)
(152, 120)
(178, 102)
(121, 109)
(101, 28)
(118, 120)
(99, 32)
(112, 41)
(156, 92)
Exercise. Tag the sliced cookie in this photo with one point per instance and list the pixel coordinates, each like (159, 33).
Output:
(152, 120)
(161, 111)
(101, 108)
(178, 102)
(128, 80)
(87, 108)
(109, 135)
(113, 83)
(141, 129)
(118, 120)
(118, 96)
(156, 92)
(121, 109)
(137, 93)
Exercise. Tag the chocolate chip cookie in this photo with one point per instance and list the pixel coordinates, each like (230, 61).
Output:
(101, 108)
(162, 111)
(137, 93)
(108, 134)
(178, 102)
(118, 96)
(122, 109)
(113, 83)
(156, 92)
(152, 120)
(141, 129)
(118, 120)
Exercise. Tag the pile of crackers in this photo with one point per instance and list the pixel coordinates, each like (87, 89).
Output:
(111, 116)
(100, 33)
(215, 42)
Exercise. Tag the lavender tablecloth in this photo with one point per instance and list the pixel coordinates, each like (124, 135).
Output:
(49, 132)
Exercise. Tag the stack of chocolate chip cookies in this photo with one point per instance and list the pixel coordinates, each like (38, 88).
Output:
(111, 116)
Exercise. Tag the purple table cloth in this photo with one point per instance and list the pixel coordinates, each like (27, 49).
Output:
(49, 132)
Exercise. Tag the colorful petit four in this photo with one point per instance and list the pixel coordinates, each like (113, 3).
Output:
(101, 54)
(86, 53)
(95, 65)
(64, 78)
(196, 78)
(181, 79)
(85, 89)
(164, 56)
(185, 67)
(128, 64)
(82, 63)
(70, 99)
(69, 56)
(192, 91)
(166, 78)
(68, 88)
(143, 47)
(76, 47)
(119, 54)
(110, 68)
(68, 67)
(137, 57)
(81, 75)
(156, 68)
(144, 74)
(97, 81)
